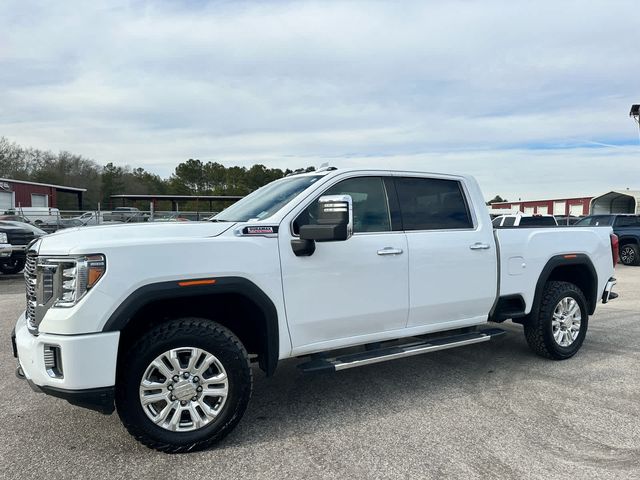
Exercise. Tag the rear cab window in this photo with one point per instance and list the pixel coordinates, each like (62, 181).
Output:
(537, 222)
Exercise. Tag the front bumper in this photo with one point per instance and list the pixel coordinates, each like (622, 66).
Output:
(5, 250)
(87, 365)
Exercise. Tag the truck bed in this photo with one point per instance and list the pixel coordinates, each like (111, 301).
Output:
(523, 253)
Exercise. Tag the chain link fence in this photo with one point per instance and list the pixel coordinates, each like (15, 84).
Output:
(52, 219)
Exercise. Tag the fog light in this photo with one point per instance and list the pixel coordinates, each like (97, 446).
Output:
(53, 361)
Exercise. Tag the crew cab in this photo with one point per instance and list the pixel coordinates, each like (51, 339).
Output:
(341, 268)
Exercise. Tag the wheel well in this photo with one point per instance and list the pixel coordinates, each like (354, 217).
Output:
(627, 241)
(236, 311)
(581, 276)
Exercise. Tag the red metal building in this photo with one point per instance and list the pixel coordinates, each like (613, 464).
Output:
(577, 206)
(19, 193)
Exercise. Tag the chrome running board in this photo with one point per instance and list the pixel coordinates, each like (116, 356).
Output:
(394, 352)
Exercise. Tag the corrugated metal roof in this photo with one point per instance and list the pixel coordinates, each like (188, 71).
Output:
(57, 187)
(616, 201)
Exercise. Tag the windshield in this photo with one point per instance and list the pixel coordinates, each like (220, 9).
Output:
(595, 221)
(267, 200)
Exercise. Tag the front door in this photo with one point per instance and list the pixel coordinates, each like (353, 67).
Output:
(350, 291)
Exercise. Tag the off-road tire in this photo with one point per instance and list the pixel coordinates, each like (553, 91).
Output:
(631, 256)
(184, 332)
(538, 326)
(12, 265)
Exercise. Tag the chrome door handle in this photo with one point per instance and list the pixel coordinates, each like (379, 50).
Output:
(390, 251)
(479, 246)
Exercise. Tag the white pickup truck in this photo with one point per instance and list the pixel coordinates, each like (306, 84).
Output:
(344, 267)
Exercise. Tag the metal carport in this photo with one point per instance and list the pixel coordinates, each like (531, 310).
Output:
(616, 201)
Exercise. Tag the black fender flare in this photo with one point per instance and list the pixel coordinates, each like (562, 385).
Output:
(182, 288)
(574, 259)
(624, 239)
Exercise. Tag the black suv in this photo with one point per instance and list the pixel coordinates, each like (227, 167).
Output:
(14, 238)
(626, 227)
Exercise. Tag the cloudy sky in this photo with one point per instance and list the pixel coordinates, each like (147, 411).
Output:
(531, 97)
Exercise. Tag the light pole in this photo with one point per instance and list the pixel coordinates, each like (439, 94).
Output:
(635, 113)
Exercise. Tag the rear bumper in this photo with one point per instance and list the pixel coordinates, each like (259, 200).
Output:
(608, 293)
(87, 369)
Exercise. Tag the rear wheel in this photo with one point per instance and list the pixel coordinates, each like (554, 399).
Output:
(12, 265)
(184, 385)
(559, 327)
(629, 254)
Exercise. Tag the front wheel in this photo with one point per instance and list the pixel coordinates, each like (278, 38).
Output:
(558, 328)
(12, 265)
(184, 385)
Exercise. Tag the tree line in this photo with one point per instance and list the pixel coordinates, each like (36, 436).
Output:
(192, 177)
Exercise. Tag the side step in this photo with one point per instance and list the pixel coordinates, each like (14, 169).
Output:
(398, 351)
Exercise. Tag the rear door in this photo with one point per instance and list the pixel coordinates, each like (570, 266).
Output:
(452, 256)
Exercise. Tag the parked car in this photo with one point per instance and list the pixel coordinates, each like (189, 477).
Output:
(15, 218)
(125, 214)
(390, 264)
(14, 238)
(36, 215)
(94, 218)
(60, 224)
(626, 227)
(525, 220)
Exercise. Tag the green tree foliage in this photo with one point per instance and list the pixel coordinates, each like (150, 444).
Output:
(497, 199)
(189, 178)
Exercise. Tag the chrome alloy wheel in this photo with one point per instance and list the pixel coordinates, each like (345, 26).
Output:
(566, 321)
(627, 255)
(184, 389)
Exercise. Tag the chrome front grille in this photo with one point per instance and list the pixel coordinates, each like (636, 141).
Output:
(30, 278)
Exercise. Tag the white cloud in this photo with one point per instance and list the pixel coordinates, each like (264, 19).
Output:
(503, 90)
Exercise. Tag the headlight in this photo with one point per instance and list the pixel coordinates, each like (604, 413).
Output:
(3, 238)
(67, 279)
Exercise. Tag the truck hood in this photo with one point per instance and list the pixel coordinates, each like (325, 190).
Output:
(94, 239)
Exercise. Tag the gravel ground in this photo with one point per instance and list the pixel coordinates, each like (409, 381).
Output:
(488, 410)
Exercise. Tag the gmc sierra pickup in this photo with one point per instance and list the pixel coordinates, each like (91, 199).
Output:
(344, 267)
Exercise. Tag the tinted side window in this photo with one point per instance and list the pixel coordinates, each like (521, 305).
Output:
(627, 222)
(509, 222)
(432, 204)
(370, 205)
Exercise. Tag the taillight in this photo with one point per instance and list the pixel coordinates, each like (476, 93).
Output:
(614, 249)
